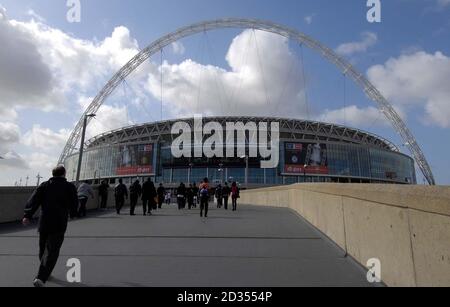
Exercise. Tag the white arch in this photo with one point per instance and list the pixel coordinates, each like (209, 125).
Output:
(345, 67)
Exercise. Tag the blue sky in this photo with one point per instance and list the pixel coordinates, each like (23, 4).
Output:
(411, 31)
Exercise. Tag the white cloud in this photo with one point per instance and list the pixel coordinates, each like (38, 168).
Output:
(41, 161)
(264, 79)
(2, 13)
(45, 68)
(368, 39)
(36, 16)
(9, 115)
(353, 116)
(417, 80)
(45, 139)
(42, 66)
(82, 64)
(25, 80)
(109, 117)
(12, 161)
(178, 48)
(9, 136)
(15, 167)
(43, 147)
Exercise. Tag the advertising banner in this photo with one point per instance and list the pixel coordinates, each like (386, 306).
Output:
(305, 158)
(135, 160)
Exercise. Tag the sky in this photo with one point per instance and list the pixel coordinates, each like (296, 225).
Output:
(50, 69)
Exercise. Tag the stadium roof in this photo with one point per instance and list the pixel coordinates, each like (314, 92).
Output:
(301, 130)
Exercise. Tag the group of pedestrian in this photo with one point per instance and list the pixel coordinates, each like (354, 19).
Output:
(201, 195)
(223, 195)
(186, 195)
(60, 200)
(151, 198)
(194, 195)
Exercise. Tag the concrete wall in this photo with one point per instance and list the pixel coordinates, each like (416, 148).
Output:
(13, 201)
(406, 227)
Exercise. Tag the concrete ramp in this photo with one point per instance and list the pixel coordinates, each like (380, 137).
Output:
(254, 247)
(404, 231)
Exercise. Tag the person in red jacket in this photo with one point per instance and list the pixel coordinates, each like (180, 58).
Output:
(204, 197)
(234, 195)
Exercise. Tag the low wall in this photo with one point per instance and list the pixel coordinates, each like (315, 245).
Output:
(406, 227)
(13, 201)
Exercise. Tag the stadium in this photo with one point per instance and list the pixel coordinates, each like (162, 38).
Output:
(309, 152)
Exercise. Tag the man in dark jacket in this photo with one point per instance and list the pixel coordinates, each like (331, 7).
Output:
(135, 192)
(57, 199)
(148, 196)
(181, 196)
(226, 191)
(195, 191)
(190, 197)
(120, 192)
(219, 196)
(103, 193)
(161, 193)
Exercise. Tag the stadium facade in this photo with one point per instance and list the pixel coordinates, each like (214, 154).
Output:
(309, 152)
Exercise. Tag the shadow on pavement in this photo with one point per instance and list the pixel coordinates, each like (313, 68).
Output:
(17, 227)
(66, 284)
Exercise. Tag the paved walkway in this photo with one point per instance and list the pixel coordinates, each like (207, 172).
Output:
(254, 247)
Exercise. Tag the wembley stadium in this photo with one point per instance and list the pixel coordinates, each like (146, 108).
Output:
(309, 152)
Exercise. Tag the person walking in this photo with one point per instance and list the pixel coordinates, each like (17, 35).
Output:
(58, 200)
(148, 196)
(135, 193)
(190, 196)
(204, 197)
(154, 200)
(161, 192)
(168, 198)
(103, 194)
(234, 195)
(120, 193)
(226, 191)
(195, 191)
(219, 196)
(84, 191)
(181, 196)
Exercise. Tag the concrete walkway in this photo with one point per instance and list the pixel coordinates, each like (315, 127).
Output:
(254, 247)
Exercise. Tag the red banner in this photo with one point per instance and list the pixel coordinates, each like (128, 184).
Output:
(296, 169)
(134, 170)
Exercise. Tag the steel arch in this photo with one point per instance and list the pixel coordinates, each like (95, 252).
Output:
(267, 26)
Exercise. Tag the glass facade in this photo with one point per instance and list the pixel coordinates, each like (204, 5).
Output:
(391, 166)
(356, 161)
(336, 162)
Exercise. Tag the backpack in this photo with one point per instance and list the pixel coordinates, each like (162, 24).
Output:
(235, 191)
(204, 192)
